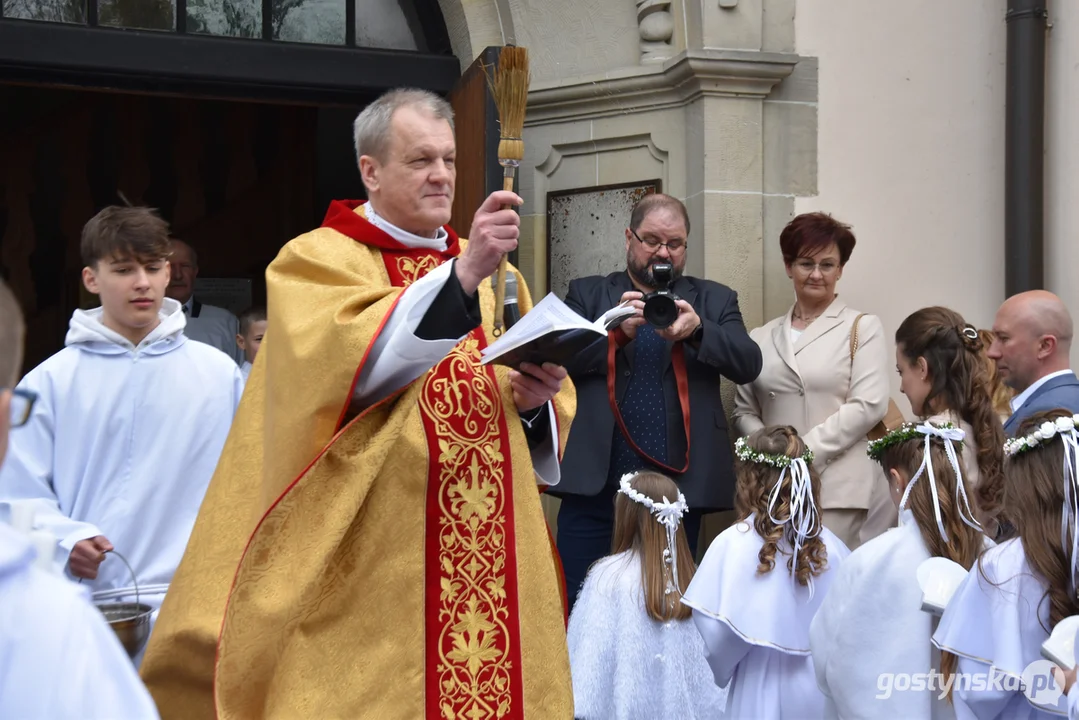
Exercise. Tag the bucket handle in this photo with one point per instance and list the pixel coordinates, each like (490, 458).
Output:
(134, 578)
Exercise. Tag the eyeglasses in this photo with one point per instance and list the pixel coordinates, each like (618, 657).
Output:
(673, 246)
(806, 267)
(22, 404)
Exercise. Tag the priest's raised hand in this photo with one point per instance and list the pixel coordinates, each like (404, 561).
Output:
(494, 233)
(87, 556)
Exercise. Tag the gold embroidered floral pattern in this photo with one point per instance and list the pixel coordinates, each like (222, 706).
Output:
(472, 633)
(412, 267)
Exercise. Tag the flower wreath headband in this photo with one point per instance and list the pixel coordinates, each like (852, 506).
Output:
(668, 514)
(804, 517)
(1065, 427)
(950, 435)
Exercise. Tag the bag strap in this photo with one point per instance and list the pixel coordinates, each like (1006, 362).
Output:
(854, 337)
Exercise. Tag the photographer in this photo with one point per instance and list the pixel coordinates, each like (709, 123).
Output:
(648, 398)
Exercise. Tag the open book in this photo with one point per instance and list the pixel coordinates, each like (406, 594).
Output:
(551, 332)
(939, 578)
(1060, 647)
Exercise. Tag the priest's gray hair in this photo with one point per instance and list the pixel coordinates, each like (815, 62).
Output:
(371, 129)
(12, 333)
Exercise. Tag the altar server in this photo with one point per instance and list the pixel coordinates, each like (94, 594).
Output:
(58, 657)
(1019, 590)
(633, 652)
(763, 579)
(854, 638)
(129, 421)
(249, 339)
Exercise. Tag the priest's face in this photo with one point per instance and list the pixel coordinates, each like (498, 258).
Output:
(130, 291)
(412, 186)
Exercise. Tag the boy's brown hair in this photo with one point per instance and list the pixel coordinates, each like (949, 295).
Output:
(135, 233)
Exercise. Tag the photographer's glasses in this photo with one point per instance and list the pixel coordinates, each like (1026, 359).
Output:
(22, 404)
(653, 245)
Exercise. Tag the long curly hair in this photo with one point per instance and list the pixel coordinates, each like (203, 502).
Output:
(1034, 494)
(959, 381)
(756, 482)
(636, 529)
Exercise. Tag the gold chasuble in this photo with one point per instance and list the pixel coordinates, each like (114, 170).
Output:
(394, 566)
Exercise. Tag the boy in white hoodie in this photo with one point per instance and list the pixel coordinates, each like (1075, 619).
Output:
(129, 421)
(58, 657)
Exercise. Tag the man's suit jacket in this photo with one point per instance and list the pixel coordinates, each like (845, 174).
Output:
(812, 385)
(725, 349)
(1060, 392)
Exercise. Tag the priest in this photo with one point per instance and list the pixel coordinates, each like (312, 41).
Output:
(372, 544)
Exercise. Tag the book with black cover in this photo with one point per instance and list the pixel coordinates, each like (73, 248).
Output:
(551, 332)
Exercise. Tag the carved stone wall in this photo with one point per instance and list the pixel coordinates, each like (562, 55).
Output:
(656, 25)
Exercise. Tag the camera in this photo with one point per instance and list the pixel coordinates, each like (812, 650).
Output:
(660, 307)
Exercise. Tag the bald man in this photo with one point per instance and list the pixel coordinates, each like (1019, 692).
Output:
(1032, 348)
(209, 324)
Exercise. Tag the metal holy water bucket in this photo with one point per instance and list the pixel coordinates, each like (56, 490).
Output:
(130, 621)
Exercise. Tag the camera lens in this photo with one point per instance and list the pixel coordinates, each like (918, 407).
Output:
(660, 310)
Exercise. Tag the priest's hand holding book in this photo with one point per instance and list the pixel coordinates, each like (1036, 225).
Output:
(535, 385)
(87, 556)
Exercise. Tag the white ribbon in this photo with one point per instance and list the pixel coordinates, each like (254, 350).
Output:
(949, 436)
(668, 514)
(1070, 516)
(804, 514)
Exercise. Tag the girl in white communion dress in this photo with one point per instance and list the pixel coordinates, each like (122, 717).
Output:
(1019, 590)
(763, 579)
(871, 628)
(634, 654)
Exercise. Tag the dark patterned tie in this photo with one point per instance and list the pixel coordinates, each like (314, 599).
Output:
(643, 407)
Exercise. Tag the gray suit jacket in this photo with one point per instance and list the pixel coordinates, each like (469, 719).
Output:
(1060, 392)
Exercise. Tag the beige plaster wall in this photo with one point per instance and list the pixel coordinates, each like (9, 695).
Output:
(1062, 157)
(911, 150)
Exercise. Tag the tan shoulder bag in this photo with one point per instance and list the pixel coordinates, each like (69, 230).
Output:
(893, 418)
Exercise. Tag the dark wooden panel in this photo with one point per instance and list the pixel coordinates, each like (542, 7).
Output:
(212, 66)
(235, 180)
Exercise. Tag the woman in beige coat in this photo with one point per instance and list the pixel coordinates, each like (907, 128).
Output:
(810, 381)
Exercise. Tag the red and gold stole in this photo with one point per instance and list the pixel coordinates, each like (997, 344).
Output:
(473, 639)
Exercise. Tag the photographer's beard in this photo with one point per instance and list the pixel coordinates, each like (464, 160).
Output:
(641, 271)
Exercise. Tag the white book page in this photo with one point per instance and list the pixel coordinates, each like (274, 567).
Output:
(613, 317)
(548, 314)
